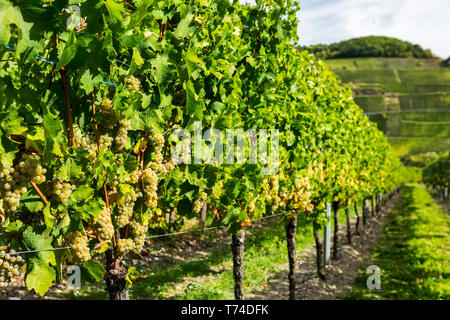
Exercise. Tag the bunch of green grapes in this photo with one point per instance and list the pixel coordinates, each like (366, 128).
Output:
(60, 190)
(136, 176)
(14, 180)
(150, 182)
(138, 230)
(122, 133)
(133, 83)
(110, 117)
(9, 266)
(157, 142)
(79, 244)
(198, 204)
(104, 226)
(125, 245)
(273, 192)
(125, 208)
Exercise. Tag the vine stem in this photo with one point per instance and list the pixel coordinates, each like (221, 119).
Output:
(129, 4)
(70, 135)
(41, 195)
(97, 136)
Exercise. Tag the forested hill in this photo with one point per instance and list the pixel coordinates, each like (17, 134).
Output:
(371, 46)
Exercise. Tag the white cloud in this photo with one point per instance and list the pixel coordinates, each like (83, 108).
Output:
(424, 22)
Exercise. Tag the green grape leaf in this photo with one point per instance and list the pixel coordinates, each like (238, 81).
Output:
(90, 210)
(34, 241)
(11, 123)
(49, 219)
(70, 170)
(92, 271)
(55, 138)
(69, 51)
(32, 201)
(83, 193)
(40, 276)
(183, 29)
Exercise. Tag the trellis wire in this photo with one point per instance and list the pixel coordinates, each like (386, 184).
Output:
(205, 229)
(33, 251)
(151, 237)
(112, 84)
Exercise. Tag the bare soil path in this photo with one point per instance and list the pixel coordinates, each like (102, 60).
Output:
(340, 274)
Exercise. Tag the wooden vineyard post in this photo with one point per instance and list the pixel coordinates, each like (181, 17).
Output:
(366, 211)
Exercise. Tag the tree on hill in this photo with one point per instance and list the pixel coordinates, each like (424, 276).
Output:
(446, 63)
(371, 46)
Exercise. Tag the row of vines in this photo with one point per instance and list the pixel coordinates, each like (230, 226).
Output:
(437, 175)
(86, 116)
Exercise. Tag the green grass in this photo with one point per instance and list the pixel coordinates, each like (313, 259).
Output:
(412, 253)
(435, 76)
(424, 101)
(404, 146)
(429, 87)
(370, 103)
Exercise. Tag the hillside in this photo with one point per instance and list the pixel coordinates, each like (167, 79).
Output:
(409, 98)
(370, 46)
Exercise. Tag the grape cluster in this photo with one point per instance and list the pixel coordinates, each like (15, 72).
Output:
(122, 134)
(110, 117)
(89, 143)
(14, 180)
(9, 266)
(139, 230)
(198, 204)
(133, 83)
(106, 102)
(157, 142)
(135, 176)
(275, 199)
(251, 207)
(150, 182)
(125, 208)
(61, 190)
(125, 245)
(104, 226)
(79, 244)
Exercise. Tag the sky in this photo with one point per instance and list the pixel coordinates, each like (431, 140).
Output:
(426, 23)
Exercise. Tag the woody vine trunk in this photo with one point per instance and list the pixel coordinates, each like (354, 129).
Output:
(349, 229)
(357, 218)
(115, 278)
(237, 248)
(336, 229)
(318, 251)
(291, 228)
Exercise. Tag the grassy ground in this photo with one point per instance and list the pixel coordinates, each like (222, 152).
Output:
(407, 146)
(211, 277)
(413, 252)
